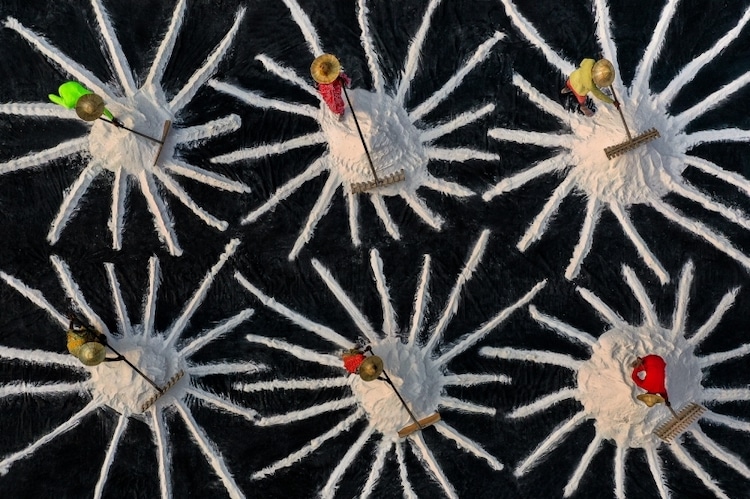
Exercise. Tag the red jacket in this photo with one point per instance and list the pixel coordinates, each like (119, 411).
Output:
(655, 374)
(331, 93)
(352, 361)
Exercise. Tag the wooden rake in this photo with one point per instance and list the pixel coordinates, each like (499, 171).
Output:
(393, 178)
(632, 142)
(679, 422)
(161, 391)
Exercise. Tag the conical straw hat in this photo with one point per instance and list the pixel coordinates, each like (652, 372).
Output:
(603, 73)
(325, 68)
(650, 399)
(89, 107)
(91, 353)
(371, 368)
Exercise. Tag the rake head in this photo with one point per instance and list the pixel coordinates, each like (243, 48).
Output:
(628, 145)
(174, 379)
(676, 425)
(393, 178)
(423, 423)
(167, 126)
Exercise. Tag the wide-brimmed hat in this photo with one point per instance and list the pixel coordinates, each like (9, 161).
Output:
(325, 68)
(89, 107)
(651, 399)
(603, 73)
(91, 353)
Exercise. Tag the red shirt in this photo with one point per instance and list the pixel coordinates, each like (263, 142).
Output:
(654, 377)
(352, 361)
(331, 93)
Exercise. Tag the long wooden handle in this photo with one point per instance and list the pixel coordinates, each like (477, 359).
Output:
(622, 116)
(361, 135)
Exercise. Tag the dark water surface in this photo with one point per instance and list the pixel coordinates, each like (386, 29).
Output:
(70, 465)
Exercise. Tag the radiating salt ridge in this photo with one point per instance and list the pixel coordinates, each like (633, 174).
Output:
(417, 359)
(643, 176)
(130, 157)
(114, 385)
(608, 396)
(397, 137)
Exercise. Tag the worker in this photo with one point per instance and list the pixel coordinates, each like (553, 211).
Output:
(650, 374)
(589, 78)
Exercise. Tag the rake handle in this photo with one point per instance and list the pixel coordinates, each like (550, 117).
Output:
(622, 116)
(669, 406)
(120, 125)
(403, 402)
(361, 135)
(135, 369)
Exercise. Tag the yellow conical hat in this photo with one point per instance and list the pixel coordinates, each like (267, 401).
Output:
(91, 353)
(89, 107)
(603, 73)
(650, 399)
(371, 368)
(325, 68)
